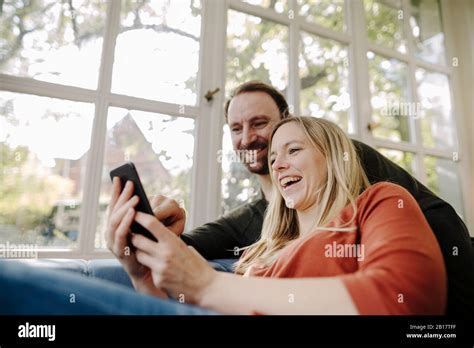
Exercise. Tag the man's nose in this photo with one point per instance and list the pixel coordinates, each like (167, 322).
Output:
(248, 136)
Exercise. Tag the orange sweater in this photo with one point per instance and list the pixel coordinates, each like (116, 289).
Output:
(391, 265)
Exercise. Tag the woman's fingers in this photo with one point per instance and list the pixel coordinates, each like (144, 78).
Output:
(116, 185)
(115, 219)
(125, 195)
(145, 259)
(158, 230)
(143, 243)
(120, 240)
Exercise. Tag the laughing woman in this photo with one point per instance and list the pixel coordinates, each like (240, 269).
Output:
(331, 244)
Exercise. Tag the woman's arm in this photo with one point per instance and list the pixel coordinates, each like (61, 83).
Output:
(233, 294)
(187, 276)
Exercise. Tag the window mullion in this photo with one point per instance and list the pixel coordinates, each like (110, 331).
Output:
(415, 126)
(93, 172)
(206, 188)
(460, 111)
(359, 71)
(294, 81)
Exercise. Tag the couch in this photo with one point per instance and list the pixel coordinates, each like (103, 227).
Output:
(106, 269)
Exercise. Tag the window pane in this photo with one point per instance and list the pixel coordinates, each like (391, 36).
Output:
(47, 40)
(437, 124)
(389, 88)
(326, 13)
(257, 49)
(427, 29)
(385, 24)
(157, 52)
(443, 179)
(279, 6)
(44, 144)
(403, 159)
(324, 73)
(160, 146)
(238, 185)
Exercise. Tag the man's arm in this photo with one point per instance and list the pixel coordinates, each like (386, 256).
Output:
(238, 228)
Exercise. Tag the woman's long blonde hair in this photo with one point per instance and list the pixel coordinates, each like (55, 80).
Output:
(345, 181)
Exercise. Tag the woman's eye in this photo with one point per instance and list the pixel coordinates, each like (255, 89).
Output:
(272, 160)
(293, 150)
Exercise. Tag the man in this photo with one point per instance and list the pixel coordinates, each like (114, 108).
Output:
(251, 113)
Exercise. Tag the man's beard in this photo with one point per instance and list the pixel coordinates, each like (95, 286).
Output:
(259, 166)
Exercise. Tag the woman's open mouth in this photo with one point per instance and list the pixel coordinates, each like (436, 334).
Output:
(289, 181)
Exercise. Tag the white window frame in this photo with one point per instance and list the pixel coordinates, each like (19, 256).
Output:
(103, 98)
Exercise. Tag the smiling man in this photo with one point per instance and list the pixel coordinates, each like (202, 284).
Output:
(251, 112)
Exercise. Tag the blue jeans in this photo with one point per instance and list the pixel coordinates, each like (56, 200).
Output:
(26, 290)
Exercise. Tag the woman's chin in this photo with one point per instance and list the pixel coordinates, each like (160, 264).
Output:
(291, 203)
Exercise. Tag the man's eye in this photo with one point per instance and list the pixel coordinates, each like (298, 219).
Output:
(235, 130)
(260, 124)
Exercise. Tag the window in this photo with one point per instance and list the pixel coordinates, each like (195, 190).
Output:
(44, 144)
(88, 86)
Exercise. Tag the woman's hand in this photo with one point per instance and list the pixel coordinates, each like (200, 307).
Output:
(178, 269)
(120, 218)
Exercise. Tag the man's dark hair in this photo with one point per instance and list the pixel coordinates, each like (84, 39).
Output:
(258, 86)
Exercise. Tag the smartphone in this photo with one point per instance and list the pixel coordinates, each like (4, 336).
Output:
(126, 172)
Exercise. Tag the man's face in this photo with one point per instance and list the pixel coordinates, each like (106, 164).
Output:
(251, 117)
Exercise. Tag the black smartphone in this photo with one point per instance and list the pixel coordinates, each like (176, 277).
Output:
(126, 172)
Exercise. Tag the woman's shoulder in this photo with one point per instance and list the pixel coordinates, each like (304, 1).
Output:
(384, 189)
(382, 193)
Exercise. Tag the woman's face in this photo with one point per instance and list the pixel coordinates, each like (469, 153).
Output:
(298, 168)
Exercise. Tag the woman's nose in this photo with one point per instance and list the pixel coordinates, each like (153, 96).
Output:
(279, 164)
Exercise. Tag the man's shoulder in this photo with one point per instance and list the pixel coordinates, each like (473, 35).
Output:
(256, 206)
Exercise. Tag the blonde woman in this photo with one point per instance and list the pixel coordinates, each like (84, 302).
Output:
(331, 244)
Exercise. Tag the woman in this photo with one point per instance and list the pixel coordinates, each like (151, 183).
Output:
(331, 244)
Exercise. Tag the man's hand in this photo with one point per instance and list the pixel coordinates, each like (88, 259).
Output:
(169, 213)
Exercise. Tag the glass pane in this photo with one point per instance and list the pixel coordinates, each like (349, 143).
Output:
(47, 40)
(279, 6)
(437, 124)
(403, 159)
(160, 146)
(324, 72)
(238, 185)
(44, 144)
(427, 28)
(326, 13)
(157, 52)
(389, 88)
(257, 49)
(443, 179)
(385, 24)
